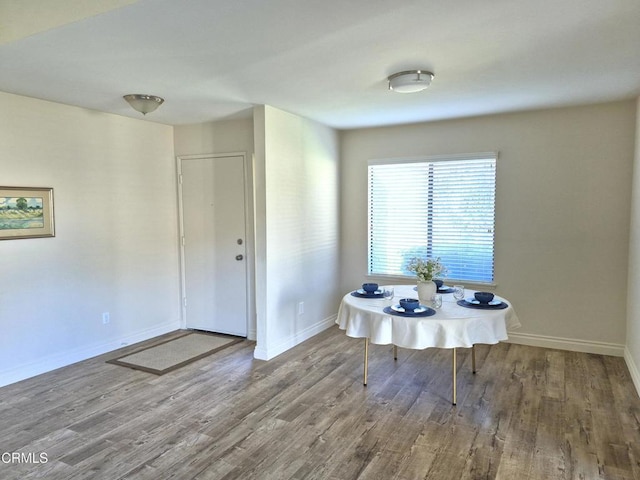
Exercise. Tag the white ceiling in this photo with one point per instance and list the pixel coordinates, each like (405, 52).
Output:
(323, 59)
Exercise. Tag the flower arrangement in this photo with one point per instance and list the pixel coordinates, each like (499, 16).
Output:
(427, 269)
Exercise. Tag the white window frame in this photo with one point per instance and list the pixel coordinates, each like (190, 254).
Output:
(427, 160)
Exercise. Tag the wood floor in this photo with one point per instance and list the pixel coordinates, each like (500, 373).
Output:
(529, 413)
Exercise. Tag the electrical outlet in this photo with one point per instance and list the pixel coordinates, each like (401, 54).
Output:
(105, 318)
(300, 308)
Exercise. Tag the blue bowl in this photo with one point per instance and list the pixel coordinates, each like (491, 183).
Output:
(409, 304)
(484, 297)
(439, 283)
(370, 287)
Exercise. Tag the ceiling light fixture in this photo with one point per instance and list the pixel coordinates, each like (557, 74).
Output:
(143, 103)
(410, 81)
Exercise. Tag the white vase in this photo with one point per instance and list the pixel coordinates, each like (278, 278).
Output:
(426, 291)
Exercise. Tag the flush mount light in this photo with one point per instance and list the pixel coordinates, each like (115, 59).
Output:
(410, 81)
(143, 103)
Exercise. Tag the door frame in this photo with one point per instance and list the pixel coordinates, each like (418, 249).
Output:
(249, 238)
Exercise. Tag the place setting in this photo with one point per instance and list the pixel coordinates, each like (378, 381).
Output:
(375, 292)
(369, 290)
(480, 300)
(409, 307)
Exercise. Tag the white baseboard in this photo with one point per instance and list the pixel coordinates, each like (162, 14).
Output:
(52, 362)
(271, 351)
(633, 369)
(571, 344)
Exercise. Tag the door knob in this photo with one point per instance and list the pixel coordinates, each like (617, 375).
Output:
(239, 257)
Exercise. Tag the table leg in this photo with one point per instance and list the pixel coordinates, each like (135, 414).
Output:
(454, 376)
(473, 359)
(366, 360)
(395, 352)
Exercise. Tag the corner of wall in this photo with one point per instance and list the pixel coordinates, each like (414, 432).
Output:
(271, 351)
(632, 340)
(633, 369)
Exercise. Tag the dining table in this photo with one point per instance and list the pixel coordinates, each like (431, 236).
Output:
(455, 324)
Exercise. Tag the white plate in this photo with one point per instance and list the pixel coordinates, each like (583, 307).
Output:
(399, 309)
(476, 302)
(362, 292)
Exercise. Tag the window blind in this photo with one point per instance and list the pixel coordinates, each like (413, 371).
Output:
(443, 207)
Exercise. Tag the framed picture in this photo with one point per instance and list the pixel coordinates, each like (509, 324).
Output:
(26, 212)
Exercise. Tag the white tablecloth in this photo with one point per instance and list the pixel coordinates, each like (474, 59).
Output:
(452, 326)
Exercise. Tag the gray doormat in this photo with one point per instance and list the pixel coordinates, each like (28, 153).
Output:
(175, 353)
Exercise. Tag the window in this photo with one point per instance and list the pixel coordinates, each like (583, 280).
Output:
(433, 207)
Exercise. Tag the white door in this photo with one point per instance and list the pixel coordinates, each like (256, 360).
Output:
(214, 258)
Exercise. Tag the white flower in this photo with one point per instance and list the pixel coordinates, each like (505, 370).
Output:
(427, 269)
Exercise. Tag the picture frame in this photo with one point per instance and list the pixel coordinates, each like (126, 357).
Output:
(26, 212)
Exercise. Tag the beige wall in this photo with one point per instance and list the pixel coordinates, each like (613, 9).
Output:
(296, 202)
(115, 248)
(632, 352)
(562, 212)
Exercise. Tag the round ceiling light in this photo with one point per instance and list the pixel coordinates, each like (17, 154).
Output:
(143, 103)
(410, 81)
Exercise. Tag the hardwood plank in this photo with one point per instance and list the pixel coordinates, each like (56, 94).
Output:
(525, 370)
(582, 459)
(550, 455)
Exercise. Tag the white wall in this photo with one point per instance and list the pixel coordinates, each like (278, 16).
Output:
(297, 229)
(632, 351)
(115, 248)
(214, 137)
(229, 136)
(562, 213)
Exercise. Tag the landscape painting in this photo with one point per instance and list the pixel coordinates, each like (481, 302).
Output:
(26, 212)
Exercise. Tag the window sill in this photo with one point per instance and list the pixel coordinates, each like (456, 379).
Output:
(404, 280)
